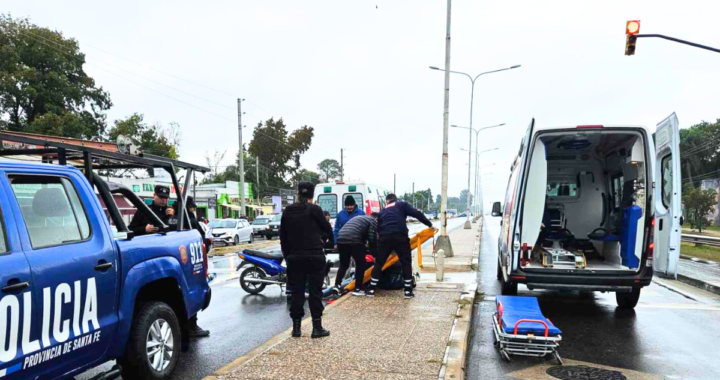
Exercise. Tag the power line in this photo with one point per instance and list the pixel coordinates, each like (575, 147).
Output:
(43, 40)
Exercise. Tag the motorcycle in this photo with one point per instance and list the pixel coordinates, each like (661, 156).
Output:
(265, 268)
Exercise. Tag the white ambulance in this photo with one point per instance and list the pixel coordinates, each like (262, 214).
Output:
(331, 197)
(592, 207)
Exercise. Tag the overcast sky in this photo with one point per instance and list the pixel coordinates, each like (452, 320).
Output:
(357, 72)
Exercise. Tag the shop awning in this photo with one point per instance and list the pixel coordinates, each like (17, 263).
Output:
(254, 207)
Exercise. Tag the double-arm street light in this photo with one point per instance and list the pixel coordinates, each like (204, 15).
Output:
(472, 96)
(477, 132)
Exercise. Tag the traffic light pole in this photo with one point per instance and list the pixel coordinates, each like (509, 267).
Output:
(677, 40)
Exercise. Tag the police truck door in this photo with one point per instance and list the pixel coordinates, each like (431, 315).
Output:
(668, 196)
(72, 259)
(18, 316)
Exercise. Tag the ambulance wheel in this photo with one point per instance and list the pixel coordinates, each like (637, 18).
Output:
(252, 288)
(153, 347)
(509, 288)
(628, 300)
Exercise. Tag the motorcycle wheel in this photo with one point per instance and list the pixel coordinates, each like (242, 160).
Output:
(251, 288)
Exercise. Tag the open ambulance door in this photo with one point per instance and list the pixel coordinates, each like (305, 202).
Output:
(667, 196)
(519, 195)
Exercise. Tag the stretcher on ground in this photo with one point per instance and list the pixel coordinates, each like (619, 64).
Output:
(416, 242)
(521, 329)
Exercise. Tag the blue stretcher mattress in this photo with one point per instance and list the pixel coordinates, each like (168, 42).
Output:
(517, 308)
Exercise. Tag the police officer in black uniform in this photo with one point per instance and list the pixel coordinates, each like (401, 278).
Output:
(141, 224)
(303, 226)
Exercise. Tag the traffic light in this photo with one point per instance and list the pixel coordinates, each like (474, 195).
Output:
(632, 28)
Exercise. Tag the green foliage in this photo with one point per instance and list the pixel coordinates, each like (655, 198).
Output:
(421, 200)
(43, 87)
(330, 169)
(278, 151)
(306, 175)
(153, 139)
(699, 147)
(698, 204)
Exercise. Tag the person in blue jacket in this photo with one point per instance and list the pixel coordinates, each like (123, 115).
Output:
(351, 210)
(393, 236)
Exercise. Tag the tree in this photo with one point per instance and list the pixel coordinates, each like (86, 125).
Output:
(278, 151)
(213, 162)
(700, 147)
(306, 175)
(153, 139)
(43, 87)
(463, 199)
(329, 168)
(698, 204)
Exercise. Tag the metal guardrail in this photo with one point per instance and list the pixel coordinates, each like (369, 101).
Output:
(702, 240)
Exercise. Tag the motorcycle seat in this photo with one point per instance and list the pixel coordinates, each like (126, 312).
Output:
(274, 254)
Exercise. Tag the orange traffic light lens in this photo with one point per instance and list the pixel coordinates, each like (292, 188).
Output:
(632, 27)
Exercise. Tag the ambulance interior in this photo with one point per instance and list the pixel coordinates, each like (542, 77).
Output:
(589, 205)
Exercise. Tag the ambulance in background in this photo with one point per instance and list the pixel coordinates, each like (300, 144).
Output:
(331, 197)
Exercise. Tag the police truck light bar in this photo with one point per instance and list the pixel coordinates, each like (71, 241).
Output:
(632, 28)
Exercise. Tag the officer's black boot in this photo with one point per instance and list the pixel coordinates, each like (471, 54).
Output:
(318, 330)
(296, 333)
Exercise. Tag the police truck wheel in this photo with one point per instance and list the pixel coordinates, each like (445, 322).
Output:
(252, 288)
(154, 343)
(628, 300)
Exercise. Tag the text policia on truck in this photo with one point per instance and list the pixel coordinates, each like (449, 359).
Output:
(592, 207)
(79, 288)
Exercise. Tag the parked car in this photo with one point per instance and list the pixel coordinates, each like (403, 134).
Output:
(112, 291)
(607, 199)
(273, 228)
(260, 223)
(231, 231)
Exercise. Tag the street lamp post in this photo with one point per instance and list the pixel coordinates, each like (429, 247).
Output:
(477, 155)
(477, 132)
(479, 204)
(472, 96)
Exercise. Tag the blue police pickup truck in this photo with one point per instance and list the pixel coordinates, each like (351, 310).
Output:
(77, 287)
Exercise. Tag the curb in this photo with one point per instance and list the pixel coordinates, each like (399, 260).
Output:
(233, 365)
(696, 260)
(453, 367)
(699, 284)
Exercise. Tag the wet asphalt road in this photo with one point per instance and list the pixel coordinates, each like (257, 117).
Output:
(668, 334)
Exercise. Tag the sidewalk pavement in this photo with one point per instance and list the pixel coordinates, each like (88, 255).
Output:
(700, 274)
(385, 337)
(462, 267)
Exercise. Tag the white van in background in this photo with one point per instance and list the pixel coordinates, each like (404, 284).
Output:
(592, 207)
(331, 197)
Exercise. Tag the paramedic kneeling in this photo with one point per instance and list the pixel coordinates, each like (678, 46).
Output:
(393, 236)
(303, 226)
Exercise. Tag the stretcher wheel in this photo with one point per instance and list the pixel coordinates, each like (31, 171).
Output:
(558, 358)
(505, 355)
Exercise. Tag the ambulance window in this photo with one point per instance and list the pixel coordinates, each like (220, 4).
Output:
(562, 189)
(328, 202)
(51, 209)
(358, 199)
(667, 180)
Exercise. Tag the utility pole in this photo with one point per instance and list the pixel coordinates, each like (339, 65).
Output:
(413, 190)
(444, 240)
(241, 168)
(257, 180)
(342, 166)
